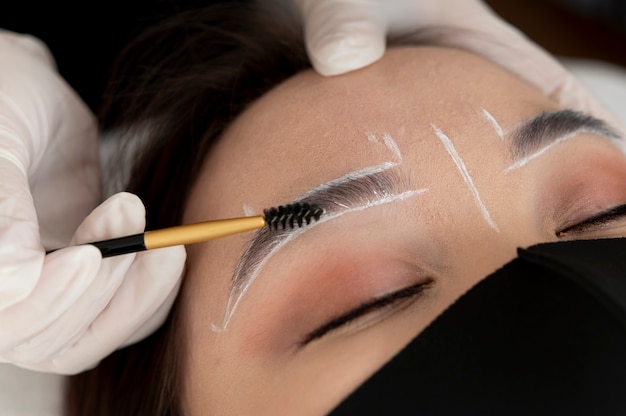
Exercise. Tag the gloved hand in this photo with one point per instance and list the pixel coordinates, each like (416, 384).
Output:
(64, 312)
(344, 35)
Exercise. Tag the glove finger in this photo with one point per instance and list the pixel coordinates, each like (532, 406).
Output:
(27, 105)
(65, 276)
(70, 168)
(120, 214)
(157, 318)
(51, 132)
(29, 44)
(472, 26)
(138, 308)
(65, 329)
(343, 35)
(521, 56)
(21, 254)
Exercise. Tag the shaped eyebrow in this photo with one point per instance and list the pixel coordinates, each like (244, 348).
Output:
(339, 195)
(536, 135)
(356, 191)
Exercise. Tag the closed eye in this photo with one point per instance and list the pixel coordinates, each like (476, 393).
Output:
(595, 222)
(393, 301)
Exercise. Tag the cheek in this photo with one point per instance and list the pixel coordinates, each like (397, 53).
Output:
(340, 281)
(205, 294)
(217, 371)
(291, 298)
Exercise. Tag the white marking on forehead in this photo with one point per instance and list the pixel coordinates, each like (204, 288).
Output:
(247, 210)
(447, 143)
(393, 146)
(494, 123)
(539, 152)
(233, 302)
(389, 142)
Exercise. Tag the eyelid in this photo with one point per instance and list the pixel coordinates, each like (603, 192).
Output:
(367, 308)
(596, 221)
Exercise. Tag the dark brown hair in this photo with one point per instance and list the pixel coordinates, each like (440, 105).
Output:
(172, 93)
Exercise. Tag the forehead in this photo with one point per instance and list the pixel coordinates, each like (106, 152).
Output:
(311, 129)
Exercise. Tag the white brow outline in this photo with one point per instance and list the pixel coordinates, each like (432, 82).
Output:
(391, 145)
(539, 152)
(232, 306)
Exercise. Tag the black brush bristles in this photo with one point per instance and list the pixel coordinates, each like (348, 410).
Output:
(291, 215)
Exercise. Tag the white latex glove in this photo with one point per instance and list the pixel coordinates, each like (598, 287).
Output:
(64, 312)
(344, 35)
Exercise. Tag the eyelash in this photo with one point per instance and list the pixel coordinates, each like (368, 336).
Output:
(595, 222)
(375, 305)
(392, 299)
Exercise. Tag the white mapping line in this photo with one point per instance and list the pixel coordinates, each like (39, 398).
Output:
(232, 305)
(541, 151)
(465, 174)
(389, 142)
(247, 210)
(393, 146)
(492, 120)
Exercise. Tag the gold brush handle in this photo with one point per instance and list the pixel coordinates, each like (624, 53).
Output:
(202, 231)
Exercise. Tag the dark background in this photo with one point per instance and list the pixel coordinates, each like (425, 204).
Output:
(85, 37)
(575, 28)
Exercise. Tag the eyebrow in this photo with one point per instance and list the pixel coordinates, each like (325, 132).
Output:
(535, 136)
(356, 191)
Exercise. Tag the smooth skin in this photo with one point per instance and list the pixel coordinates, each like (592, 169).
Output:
(311, 130)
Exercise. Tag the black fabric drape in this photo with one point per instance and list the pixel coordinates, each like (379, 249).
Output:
(544, 335)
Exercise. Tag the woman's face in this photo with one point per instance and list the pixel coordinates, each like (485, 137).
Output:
(433, 168)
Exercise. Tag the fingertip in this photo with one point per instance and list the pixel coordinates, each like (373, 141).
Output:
(121, 214)
(124, 200)
(130, 212)
(342, 36)
(167, 263)
(81, 260)
(340, 53)
(337, 59)
(31, 44)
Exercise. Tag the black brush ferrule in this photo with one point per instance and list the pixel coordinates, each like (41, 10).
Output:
(121, 245)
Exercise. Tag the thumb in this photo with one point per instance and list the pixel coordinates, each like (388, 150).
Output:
(121, 214)
(343, 35)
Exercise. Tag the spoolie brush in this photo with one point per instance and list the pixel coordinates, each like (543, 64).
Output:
(283, 217)
(291, 215)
